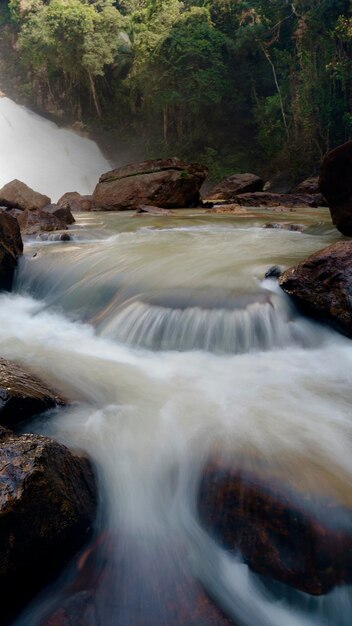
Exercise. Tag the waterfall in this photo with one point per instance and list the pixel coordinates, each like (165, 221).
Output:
(49, 159)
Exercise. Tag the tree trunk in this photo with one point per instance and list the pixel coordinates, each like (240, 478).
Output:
(94, 93)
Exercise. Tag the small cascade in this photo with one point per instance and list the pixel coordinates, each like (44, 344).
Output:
(262, 322)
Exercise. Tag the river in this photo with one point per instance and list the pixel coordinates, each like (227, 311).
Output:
(166, 338)
(169, 344)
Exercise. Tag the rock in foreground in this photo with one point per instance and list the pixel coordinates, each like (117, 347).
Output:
(11, 248)
(335, 184)
(281, 534)
(17, 195)
(47, 509)
(322, 285)
(22, 395)
(227, 190)
(166, 183)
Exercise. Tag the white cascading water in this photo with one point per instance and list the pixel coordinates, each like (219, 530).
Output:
(49, 159)
(167, 341)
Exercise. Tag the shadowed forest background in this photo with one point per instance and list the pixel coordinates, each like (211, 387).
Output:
(262, 85)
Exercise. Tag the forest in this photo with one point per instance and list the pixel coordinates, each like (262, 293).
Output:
(262, 85)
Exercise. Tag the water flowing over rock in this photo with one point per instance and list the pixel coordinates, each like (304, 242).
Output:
(11, 248)
(227, 190)
(299, 540)
(167, 183)
(17, 195)
(22, 395)
(322, 284)
(47, 509)
(335, 184)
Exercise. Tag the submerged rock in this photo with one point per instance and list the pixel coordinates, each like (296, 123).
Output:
(335, 184)
(47, 509)
(159, 592)
(17, 195)
(299, 540)
(167, 183)
(227, 190)
(298, 228)
(22, 395)
(152, 210)
(75, 201)
(11, 248)
(322, 285)
(273, 272)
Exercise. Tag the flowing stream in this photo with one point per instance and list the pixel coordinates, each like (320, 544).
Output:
(169, 343)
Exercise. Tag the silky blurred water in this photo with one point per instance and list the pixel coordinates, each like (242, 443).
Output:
(170, 344)
(49, 159)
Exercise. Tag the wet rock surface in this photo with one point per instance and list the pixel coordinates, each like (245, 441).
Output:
(335, 184)
(35, 222)
(17, 195)
(23, 395)
(228, 189)
(166, 183)
(157, 594)
(299, 540)
(267, 199)
(322, 285)
(11, 248)
(47, 510)
(63, 213)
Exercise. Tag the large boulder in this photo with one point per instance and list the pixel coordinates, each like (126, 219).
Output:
(227, 190)
(335, 184)
(17, 195)
(281, 534)
(11, 248)
(167, 183)
(23, 395)
(75, 201)
(63, 213)
(322, 285)
(36, 222)
(48, 505)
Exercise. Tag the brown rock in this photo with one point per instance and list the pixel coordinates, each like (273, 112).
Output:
(47, 508)
(22, 395)
(309, 185)
(17, 195)
(63, 213)
(322, 285)
(266, 199)
(227, 190)
(299, 540)
(74, 201)
(335, 184)
(35, 222)
(168, 183)
(103, 592)
(11, 248)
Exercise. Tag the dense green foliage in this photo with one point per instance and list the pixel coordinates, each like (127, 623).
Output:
(239, 84)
